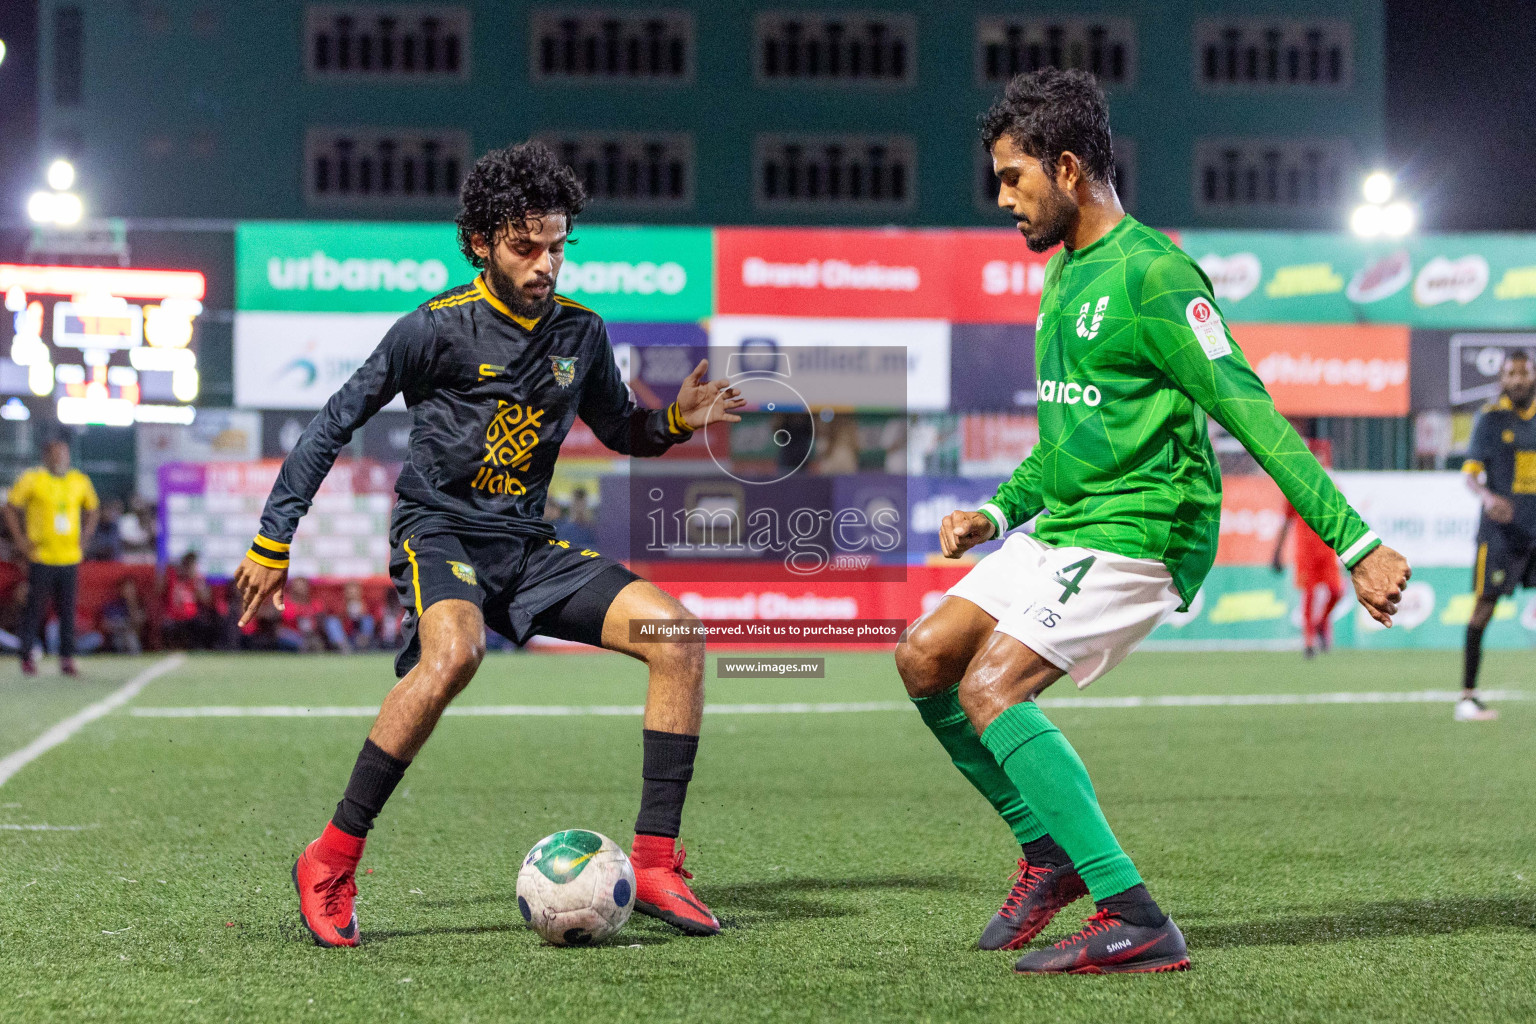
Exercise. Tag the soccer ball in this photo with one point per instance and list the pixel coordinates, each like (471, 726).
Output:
(576, 888)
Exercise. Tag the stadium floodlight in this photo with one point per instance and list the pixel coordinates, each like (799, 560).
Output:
(61, 175)
(67, 209)
(2, 51)
(40, 207)
(1397, 219)
(1366, 221)
(1378, 187)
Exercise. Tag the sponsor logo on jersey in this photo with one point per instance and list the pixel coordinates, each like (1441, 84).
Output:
(564, 368)
(1206, 323)
(833, 275)
(1067, 393)
(1375, 281)
(1087, 328)
(510, 439)
(463, 572)
(1234, 277)
(1443, 280)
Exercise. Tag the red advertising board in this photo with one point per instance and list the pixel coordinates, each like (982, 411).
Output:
(833, 273)
(1330, 369)
(977, 276)
(998, 280)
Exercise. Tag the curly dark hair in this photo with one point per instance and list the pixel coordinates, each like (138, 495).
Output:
(1049, 112)
(507, 186)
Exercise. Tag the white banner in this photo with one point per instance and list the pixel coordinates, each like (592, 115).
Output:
(1430, 517)
(849, 383)
(298, 360)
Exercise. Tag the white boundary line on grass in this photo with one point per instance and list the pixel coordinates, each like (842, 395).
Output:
(634, 710)
(14, 762)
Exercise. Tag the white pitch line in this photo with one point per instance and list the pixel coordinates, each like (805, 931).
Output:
(14, 762)
(635, 710)
(47, 828)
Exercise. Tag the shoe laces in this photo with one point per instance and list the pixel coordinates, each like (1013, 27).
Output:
(1025, 880)
(1103, 921)
(334, 890)
(677, 862)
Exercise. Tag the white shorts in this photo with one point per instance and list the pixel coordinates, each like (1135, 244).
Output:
(1081, 610)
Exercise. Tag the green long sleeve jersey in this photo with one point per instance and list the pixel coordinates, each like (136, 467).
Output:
(1130, 354)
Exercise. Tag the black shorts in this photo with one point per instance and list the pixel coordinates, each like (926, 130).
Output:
(1506, 559)
(522, 585)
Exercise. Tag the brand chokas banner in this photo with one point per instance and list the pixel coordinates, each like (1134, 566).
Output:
(625, 273)
(1456, 281)
(1330, 369)
(972, 276)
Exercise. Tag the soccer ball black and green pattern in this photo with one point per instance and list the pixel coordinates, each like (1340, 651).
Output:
(576, 888)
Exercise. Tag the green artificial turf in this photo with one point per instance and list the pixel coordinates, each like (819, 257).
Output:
(1326, 862)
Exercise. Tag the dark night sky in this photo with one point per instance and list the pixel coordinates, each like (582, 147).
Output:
(1461, 110)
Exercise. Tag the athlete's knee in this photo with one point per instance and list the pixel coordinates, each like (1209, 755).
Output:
(683, 657)
(922, 662)
(452, 662)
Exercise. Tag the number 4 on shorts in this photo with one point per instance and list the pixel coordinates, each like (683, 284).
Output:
(1070, 580)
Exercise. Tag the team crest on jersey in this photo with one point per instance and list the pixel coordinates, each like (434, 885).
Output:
(463, 571)
(564, 368)
(1087, 328)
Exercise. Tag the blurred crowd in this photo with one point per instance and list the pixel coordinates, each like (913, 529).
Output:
(200, 615)
(128, 533)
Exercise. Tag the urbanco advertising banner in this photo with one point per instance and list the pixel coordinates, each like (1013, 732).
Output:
(1429, 280)
(1330, 369)
(625, 273)
(963, 276)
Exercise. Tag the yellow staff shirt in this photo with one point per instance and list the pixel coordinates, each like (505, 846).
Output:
(51, 506)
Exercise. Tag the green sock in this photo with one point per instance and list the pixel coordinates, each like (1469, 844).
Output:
(942, 713)
(1041, 763)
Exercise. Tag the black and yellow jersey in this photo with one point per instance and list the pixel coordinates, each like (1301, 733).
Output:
(492, 395)
(1503, 449)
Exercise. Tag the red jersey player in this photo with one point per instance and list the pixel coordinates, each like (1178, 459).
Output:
(1317, 569)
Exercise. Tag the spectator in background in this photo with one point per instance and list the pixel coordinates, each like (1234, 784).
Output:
(191, 618)
(359, 622)
(60, 510)
(123, 619)
(578, 524)
(303, 617)
(389, 620)
(107, 544)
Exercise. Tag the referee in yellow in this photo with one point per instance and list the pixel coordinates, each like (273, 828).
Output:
(60, 508)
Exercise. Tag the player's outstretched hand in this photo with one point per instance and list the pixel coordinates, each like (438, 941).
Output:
(701, 402)
(962, 531)
(1379, 580)
(256, 583)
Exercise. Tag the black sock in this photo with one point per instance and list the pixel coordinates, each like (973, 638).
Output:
(1044, 852)
(1472, 657)
(374, 778)
(1134, 906)
(667, 770)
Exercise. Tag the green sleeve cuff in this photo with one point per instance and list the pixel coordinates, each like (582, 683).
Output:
(1360, 548)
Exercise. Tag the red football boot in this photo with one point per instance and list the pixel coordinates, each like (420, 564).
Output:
(1039, 892)
(325, 876)
(660, 891)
